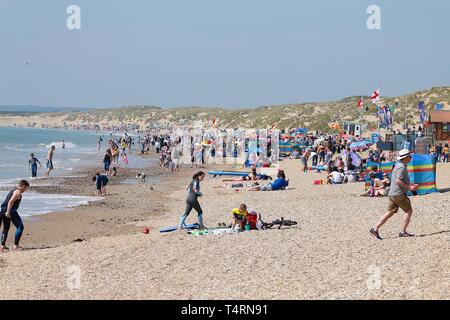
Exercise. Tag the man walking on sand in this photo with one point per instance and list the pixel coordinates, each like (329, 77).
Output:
(398, 198)
(50, 161)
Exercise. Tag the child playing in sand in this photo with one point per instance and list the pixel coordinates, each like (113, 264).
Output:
(239, 216)
(100, 182)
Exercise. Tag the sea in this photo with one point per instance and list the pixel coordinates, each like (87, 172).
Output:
(16, 145)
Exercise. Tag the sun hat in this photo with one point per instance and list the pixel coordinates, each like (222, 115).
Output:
(403, 154)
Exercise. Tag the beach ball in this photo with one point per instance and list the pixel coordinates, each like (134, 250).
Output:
(146, 231)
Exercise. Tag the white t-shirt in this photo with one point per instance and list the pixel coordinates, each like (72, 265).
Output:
(337, 177)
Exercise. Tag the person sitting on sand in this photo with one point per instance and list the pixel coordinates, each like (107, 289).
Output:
(9, 213)
(280, 184)
(100, 182)
(377, 172)
(295, 154)
(254, 175)
(114, 171)
(239, 216)
(386, 184)
(192, 200)
(377, 187)
(335, 177)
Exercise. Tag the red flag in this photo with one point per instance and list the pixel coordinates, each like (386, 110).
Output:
(375, 96)
(360, 103)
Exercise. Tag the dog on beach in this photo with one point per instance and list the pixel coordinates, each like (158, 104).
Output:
(141, 177)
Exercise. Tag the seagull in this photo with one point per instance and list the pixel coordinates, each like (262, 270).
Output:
(28, 64)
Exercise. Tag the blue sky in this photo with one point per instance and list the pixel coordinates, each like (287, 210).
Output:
(230, 53)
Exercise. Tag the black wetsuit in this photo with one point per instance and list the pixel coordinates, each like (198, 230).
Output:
(192, 203)
(15, 219)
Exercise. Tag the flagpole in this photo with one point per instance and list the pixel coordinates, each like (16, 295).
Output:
(378, 120)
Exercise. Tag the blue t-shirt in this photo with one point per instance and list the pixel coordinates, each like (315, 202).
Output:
(279, 184)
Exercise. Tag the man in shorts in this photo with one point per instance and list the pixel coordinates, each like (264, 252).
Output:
(398, 195)
(50, 161)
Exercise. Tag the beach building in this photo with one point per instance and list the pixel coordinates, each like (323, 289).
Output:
(440, 123)
(353, 128)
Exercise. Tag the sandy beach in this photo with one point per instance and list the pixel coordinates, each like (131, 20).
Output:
(330, 255)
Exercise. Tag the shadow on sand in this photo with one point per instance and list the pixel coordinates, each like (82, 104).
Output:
(433, 234)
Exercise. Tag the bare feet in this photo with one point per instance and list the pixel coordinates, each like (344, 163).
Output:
(18, 248)
(4, 249)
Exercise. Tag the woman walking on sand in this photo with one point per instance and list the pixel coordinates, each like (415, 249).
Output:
(192, 200)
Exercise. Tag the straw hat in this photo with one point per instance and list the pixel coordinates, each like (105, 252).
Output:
(403, 154)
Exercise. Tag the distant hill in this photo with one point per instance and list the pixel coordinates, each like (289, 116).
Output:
(40, 109)
(315, 116)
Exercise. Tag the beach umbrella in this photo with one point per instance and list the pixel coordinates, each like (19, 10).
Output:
(363, 144)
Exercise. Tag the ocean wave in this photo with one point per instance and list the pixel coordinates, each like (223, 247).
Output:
(35, 203)
(12, 165)
(58, 145)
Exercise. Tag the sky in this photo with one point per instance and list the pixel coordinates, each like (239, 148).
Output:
(224, 53)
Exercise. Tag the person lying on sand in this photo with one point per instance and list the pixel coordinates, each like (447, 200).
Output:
(239, 216)
(9, 213)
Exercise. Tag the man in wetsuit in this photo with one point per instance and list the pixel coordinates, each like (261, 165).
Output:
(8, 214)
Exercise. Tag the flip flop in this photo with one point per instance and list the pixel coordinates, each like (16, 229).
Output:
(405, 235)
